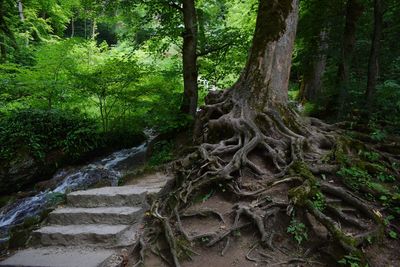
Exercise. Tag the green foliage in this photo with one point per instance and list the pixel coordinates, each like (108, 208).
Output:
(351, 260)
(387, 109)
(378, 135)
(370, 156)
(385, 177)
(39, 132)
(55, 199)
(298, 230)
(393, 234)
(318, 201)
(354, 177)
(163, 153)
(309, 109)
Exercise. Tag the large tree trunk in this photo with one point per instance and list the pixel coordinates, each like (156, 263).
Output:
(373, 66)
(265, 79)
(190, 72)
(354, 11)
(312, 81)
(252, 141)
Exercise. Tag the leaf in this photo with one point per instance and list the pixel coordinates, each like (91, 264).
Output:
(393, 234)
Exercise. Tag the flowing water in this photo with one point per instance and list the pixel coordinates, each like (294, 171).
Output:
(105, 171)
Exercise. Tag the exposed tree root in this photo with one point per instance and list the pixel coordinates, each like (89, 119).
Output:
(289, 151)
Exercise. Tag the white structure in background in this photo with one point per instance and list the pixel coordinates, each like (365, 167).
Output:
(206, 84)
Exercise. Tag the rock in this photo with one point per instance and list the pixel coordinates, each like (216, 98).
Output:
(20, 234)
(17, 173)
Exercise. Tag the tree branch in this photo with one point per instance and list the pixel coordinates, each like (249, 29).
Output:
(214, 49)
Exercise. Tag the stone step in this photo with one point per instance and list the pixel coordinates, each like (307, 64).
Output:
(109, 196)
(100, 215)
(79, 234)
(59, 257)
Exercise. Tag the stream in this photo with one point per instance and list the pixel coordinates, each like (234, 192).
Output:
(107, 171)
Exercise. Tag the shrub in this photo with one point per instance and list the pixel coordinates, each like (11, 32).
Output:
(39, 132)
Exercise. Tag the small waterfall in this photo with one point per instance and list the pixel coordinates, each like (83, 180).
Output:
(109, 170)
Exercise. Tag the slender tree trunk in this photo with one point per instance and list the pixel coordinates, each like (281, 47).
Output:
(354, 11)
(312, 81)
(93, 29)
(21, 11)
(72, 27)
(190, 73)
(265, 80)
(373, 66)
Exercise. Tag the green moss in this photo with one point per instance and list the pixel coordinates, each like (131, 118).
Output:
(300, 168)
(310, 187)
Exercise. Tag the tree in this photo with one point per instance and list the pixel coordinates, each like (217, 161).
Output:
(193, 19)
(189, 53)
(354, 11)
(251, 141)
(373, 66)
(314, 39)
(104, 78)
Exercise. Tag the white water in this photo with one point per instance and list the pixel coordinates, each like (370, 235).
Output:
(109, 170)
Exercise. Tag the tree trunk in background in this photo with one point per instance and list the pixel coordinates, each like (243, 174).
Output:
(94, 26)
(72, 27)
(373, 66)
(312, 81)
(190, 94)
(354, 11)
(265, 80)
(21, 11)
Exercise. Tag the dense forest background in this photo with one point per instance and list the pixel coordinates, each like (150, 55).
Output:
(77, 76)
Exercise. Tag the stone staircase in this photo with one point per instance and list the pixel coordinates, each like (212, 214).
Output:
(91, 229)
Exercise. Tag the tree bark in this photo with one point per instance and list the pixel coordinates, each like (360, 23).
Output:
(373, 65)
(265, 79)
(312, 81)
(190, 72)
(94, 26)
(354, 11)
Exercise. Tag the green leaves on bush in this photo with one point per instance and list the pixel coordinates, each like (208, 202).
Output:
(162, 153)
(298, 230)
(354, 177)
(39, 132)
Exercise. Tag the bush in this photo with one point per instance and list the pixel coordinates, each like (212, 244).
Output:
(39, 132)
(163, 153)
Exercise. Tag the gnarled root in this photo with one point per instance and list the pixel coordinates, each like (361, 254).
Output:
(278, 148)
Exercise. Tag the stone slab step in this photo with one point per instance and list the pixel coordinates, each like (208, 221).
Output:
(109, 196)
(59, 257)
(84, 234)
(100, 215)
